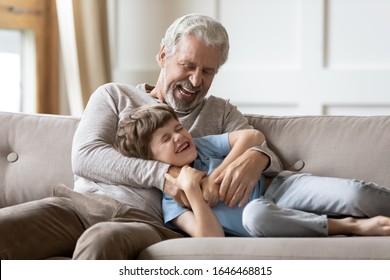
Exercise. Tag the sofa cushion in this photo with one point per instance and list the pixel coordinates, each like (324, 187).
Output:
(243, 248)
(35, 154)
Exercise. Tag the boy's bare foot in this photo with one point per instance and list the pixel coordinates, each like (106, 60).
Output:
(375, 226)
(378, 225)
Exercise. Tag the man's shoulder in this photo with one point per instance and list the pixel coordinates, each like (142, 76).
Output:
(120, 91)
(119, 96)
(216, 99)
(121, 87)
(216, 104)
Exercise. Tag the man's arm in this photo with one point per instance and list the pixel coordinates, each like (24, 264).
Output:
(239, 178)
(250, 164)
(233, 186)
(240, 141)
(93, 154)
(234, 121)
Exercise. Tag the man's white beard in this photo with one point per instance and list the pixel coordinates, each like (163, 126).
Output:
(180, 106)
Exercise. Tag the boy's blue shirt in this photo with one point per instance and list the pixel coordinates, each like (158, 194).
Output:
(212, 150)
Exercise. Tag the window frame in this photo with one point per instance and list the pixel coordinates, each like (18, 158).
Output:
(40, 17)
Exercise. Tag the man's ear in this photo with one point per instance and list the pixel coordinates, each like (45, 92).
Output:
(161, 57)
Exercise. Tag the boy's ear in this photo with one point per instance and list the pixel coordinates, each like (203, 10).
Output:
(161, 57)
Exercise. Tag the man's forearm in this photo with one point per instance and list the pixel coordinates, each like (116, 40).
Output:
(262, 160)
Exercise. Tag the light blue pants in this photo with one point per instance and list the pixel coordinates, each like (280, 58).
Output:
(298, 205)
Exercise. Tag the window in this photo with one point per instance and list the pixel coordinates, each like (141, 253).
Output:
(10, 70)
(29, 56)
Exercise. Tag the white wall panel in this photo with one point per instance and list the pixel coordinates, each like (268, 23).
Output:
(341, 66)
(288, 57)
(268, 54)
(264, 34)
(359, 34)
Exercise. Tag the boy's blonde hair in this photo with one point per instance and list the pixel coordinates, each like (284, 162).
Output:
(136, 127)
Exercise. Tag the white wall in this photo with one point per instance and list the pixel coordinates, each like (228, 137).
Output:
(288, 57)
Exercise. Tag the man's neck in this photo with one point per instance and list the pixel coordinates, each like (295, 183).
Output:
(154, 92)
(149, 88)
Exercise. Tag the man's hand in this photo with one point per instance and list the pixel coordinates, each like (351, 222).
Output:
(240, 177)
(210, 190)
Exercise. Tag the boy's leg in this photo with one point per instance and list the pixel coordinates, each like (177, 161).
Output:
(295, 205)
(262, 218)
(330, 196)
(39, 229)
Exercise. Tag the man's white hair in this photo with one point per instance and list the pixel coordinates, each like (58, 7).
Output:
(201, 26)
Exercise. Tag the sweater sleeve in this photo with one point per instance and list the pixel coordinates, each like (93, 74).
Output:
(93, 154)
(275, 165)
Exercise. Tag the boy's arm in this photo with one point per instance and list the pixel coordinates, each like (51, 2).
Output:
(200, 221)
(230, 186)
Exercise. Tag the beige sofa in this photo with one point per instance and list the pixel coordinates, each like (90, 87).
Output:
(35, 154)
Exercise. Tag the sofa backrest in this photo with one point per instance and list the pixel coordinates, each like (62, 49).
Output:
(338, 146)
(35, 150)
(35, 154)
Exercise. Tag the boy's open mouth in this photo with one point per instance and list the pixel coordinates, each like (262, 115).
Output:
(183, 147)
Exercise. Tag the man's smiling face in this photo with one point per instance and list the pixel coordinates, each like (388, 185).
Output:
(188, 74)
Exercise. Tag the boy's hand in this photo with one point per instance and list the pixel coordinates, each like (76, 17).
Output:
(177, 194)
(187, 178)
(172, 190)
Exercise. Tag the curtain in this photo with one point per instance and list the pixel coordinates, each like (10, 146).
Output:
(84, 40)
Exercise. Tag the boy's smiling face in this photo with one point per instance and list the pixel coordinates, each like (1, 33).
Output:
(173, 144)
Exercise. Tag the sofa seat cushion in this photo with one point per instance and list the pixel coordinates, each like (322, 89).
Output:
(236, 248)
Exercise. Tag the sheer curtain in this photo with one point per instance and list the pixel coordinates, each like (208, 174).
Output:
(84, 46)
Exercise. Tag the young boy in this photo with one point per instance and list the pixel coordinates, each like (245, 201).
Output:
(154, 132)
